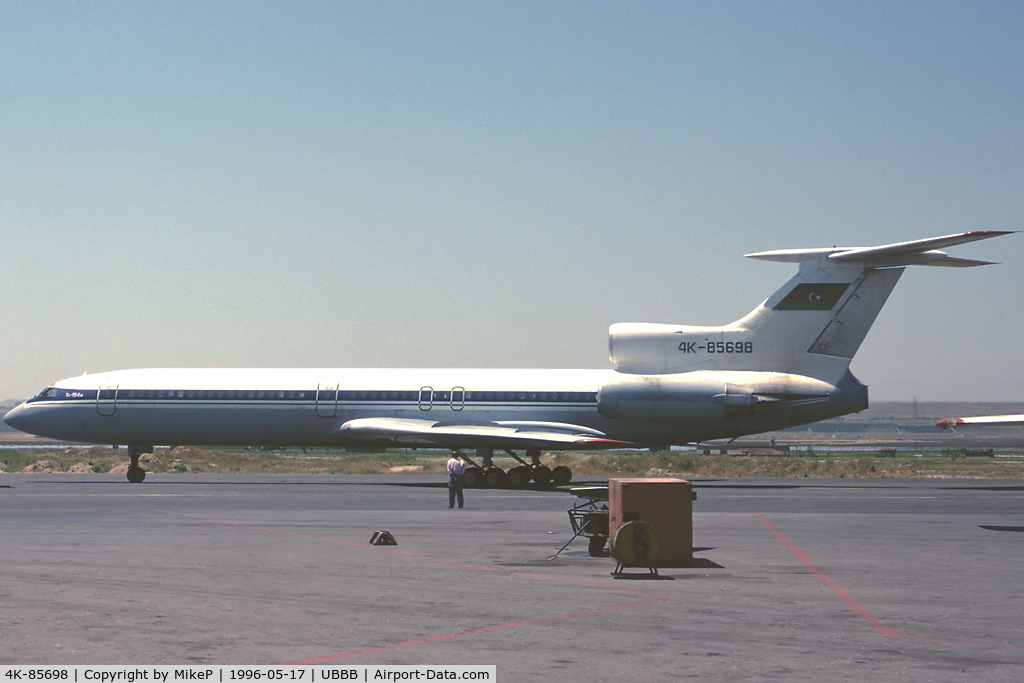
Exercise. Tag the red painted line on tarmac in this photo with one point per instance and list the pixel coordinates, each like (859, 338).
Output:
(855, 605)
(476, 631)
(850, 601)
(654, 597)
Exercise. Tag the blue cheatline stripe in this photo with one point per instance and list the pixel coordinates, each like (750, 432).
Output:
(348, 396)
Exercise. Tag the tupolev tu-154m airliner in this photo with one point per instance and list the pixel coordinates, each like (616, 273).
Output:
(784, 364)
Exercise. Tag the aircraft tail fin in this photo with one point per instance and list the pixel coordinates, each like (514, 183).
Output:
(813, 325)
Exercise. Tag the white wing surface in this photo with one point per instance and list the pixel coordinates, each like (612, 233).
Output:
(505, 435)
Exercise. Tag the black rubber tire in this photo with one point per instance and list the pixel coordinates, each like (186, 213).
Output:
(519, 477)
(473, 478)
(561, 475)
(495, 478)
(542, 475)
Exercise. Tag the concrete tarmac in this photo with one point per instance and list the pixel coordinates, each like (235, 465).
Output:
(796, 579)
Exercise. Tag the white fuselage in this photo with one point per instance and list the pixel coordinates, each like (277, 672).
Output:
(310, 407)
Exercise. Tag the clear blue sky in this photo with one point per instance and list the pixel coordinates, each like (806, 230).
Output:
(493, 184)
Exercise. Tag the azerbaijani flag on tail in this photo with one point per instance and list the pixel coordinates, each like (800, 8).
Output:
(813, 296)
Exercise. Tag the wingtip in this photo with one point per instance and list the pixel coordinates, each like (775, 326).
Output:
(990, 233)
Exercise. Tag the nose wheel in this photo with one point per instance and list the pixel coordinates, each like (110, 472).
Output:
(136, 475)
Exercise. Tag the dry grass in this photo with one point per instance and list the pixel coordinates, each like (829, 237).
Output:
(844, 465)
(583, 464)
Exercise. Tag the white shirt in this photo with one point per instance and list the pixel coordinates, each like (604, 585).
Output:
(456, 467)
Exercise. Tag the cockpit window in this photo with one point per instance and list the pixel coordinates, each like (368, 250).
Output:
(48, 392)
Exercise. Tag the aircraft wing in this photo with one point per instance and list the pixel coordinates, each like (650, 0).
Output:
(503, 435)
(992, 420)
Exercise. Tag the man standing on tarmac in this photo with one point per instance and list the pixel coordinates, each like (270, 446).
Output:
(456, 468)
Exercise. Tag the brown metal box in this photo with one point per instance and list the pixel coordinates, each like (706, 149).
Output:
(664, 503)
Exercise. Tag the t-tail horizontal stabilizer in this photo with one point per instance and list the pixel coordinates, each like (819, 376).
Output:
(915, 253)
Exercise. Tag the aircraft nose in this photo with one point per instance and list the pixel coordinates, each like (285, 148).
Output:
(16, 418)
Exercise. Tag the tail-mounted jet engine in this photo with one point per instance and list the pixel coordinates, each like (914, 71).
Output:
(707, 395)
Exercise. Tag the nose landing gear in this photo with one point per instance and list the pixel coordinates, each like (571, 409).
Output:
(136, 475)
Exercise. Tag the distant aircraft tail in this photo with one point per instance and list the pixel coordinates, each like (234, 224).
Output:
(812, 326)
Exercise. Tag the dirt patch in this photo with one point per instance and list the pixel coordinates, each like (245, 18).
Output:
(43, 466)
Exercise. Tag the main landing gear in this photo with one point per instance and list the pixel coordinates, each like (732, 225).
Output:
(487, 475)
(136, 475)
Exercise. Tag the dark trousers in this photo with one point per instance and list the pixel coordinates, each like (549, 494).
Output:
(455, 490)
